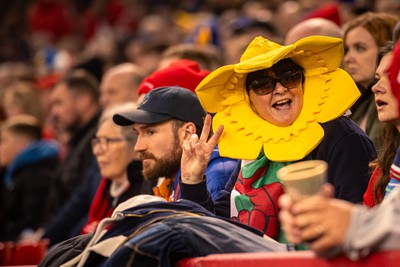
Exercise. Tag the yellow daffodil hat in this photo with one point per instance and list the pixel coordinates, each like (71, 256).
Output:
(328, 93)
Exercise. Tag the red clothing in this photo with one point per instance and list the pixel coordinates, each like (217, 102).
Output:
(53, 18)
(104, 203)
(328, 11)
(368, 197)
(99, 209)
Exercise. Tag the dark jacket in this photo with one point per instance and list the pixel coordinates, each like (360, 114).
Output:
(346, 149)
(72, 169)
(74, 215)
(162, 233)
(365, 109)
(3, 202)
(28, 181)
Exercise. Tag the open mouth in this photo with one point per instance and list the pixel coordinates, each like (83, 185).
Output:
(380, 103)
(282, 104)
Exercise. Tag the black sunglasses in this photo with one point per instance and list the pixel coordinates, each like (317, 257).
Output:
(266, 84)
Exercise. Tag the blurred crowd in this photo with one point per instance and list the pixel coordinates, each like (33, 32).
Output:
(48, 47)
(50, 37)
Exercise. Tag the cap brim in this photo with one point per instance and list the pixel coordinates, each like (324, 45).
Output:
(139, 116)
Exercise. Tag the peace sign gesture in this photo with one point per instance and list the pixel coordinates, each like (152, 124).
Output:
(196, 153)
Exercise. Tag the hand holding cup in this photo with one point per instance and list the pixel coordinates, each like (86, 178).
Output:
(304, 178)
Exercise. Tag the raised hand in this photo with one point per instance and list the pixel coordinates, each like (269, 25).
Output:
(196, 153)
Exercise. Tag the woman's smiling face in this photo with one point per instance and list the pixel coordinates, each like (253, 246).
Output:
(283, 105)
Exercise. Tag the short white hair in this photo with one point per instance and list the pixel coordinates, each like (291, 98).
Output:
(109, 112)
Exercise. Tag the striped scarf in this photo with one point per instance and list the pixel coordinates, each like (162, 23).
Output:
(394, 174)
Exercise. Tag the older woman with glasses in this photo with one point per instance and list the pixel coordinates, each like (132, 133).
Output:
(279, 105)
(119, 165)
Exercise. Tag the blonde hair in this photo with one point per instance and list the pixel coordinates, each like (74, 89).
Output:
(25, 95)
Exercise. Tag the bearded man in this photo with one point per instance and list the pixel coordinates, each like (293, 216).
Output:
(166, 118)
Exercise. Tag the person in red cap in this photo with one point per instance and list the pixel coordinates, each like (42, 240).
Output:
(332, 226)
(184, 73)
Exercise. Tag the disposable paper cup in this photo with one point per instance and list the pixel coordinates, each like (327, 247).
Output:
(304, 178)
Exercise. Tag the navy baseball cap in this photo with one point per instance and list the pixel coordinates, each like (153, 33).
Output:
(164, 103)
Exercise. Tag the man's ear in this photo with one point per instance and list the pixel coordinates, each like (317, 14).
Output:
(188, 129)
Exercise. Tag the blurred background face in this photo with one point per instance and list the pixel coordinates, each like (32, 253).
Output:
(11, 108)
(22, 97)
(64, 112)
(386, 102)
(360, 57)
(113, 158)
(114, 90)
(10, 146)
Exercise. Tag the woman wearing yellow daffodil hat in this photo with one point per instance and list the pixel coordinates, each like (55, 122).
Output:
(279, 105)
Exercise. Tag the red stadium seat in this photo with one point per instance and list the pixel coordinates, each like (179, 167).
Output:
(22, 253)
(6, 253)
(298, 259)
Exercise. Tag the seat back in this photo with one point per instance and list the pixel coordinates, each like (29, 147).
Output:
(22, 252)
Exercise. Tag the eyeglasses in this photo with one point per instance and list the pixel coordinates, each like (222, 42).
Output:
(103, 142)
(266, 85)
